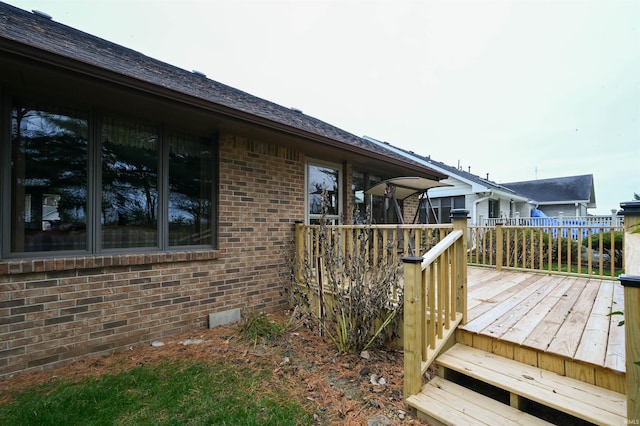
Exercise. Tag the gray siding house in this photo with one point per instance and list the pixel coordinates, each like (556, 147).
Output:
(567, 196)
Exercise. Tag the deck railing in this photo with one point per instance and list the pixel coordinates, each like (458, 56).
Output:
(435, 284)
(386, 243)
(573, 249)
(631, 283)
(435, 302)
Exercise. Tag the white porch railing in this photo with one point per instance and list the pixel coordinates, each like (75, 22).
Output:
(613, 221)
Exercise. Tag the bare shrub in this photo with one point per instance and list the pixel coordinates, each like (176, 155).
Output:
(361, 302)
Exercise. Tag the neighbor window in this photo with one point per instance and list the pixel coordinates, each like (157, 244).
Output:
(494, 209)
(438, 210)
(83, 182)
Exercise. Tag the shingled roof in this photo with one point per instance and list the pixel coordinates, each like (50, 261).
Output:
(557, 190)
(462, 174)
(487, 184)
(26, 33)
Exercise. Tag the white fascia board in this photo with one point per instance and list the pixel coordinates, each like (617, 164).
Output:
(475, 186)
(465, 187)
(459, 188)
(514, 197)
(551, 203)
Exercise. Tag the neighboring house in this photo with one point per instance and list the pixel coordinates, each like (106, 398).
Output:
(140, 200)
(483, 198)
(561, 196)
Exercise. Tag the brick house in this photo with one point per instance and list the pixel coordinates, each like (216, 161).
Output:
(140, 200)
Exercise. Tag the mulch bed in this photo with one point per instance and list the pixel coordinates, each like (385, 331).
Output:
(345, 389)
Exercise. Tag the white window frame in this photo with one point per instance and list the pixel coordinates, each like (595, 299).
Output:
(333, 219)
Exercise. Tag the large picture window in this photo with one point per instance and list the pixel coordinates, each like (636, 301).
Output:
(86, 183)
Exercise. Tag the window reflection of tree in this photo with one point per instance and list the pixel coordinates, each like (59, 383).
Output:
(190, 186)
(49, 193)
(49, 159)
(129, 183)
(323, 179)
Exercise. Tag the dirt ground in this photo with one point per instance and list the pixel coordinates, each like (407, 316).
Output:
(341, 389)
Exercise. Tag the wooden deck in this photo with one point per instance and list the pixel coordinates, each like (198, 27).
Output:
(557, 323)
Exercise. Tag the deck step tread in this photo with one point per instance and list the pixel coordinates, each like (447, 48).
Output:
(577, 398)
(450, 404)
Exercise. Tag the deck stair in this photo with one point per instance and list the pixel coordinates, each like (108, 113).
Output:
(447, 403)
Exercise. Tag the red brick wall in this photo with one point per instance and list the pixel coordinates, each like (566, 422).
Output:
(261, 198)
(56, 310)
(410, 207)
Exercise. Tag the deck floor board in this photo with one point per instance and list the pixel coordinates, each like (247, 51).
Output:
(593, 345)
(545, 331)
(615, 354)
(568, 337)
(560, 315)
(541, 288)
(508, 287)
(529, 321)
(506, 303)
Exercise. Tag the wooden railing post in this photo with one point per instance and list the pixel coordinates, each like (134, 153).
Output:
(460, 217)
(413, 314)
(631, 282)
(499, 245)
(300, 247)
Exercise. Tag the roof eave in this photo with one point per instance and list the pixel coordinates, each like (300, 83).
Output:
(93, 71)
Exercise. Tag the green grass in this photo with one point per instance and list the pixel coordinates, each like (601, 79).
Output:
(167, 393)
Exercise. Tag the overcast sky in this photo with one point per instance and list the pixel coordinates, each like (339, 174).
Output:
(518, 89)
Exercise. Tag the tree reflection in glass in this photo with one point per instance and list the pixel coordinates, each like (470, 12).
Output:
(129, 213)
(48, 179)
(323, 179)
(190, 191)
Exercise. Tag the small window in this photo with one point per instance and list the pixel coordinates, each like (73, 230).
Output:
(494, 208)
(323, 179)
(458, 202)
